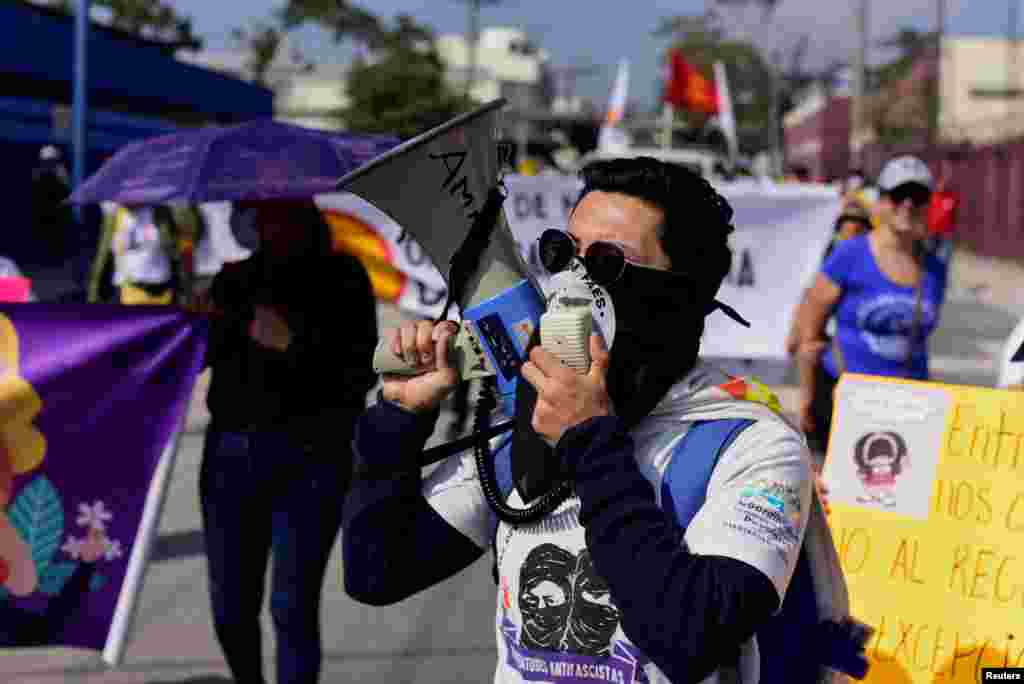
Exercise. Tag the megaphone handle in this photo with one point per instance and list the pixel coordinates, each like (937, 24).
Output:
(386, 361)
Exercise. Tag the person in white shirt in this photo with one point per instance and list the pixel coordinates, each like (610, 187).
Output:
(615, 583)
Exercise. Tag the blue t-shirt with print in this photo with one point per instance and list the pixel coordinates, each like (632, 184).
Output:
(874, 315)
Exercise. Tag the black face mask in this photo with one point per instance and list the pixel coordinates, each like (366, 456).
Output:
(659, 320)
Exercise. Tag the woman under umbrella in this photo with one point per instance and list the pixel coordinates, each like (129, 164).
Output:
(291, 344)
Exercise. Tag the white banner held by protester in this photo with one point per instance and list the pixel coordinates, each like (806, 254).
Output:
(781, 235)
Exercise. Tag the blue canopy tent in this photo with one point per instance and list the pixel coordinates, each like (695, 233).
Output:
(136, 90)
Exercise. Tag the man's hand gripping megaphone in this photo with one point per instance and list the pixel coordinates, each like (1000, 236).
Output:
(565, 397)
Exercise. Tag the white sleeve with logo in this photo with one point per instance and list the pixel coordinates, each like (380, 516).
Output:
(454, 491)
(757, 503)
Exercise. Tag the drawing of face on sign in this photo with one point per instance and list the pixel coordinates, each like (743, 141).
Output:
(566, 605)
(880, 458)
(22, 448)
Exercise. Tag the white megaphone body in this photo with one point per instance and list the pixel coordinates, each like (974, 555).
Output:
(443, 188)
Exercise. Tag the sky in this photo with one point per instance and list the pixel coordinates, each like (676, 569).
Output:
(576, 32)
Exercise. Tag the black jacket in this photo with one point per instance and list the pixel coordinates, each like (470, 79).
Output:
(317, 387)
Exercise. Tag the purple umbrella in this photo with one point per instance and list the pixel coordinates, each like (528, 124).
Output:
(258, 160)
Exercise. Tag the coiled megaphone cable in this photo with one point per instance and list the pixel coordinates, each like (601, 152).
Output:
(547, 503)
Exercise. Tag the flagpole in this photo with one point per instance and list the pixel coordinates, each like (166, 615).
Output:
(142, 548)
(80, 101)
(667, 123)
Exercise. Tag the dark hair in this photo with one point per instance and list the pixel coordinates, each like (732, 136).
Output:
(321, 240)
(311, 226)
(695, 231)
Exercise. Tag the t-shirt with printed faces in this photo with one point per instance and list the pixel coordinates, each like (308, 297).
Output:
(556, 620)
(875, 316)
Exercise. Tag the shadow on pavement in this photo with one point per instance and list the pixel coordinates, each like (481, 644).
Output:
(178, 545)
(963, 324)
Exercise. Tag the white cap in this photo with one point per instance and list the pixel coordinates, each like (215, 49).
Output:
(49, 153)
(903, 170)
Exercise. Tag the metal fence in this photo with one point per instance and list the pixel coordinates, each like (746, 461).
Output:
(989, 181)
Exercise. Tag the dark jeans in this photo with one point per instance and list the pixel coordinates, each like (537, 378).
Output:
(821, 409)
(261, 493)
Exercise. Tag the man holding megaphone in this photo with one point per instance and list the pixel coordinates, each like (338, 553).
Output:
(660, 563)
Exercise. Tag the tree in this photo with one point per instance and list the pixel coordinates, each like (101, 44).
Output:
(263, 41)
(401, 87)
(152, 19)
(910, 45)
(904, 106)
(345, 20)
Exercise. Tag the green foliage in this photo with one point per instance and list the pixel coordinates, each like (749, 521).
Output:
(262, 43)
(402, 89)
(902, 111)
(402, 92)
(151, 19)
(37, 514)
(340, 17)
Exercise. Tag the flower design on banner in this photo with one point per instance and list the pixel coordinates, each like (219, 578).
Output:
(94, 516)
(73, 547)
(92, 547)
(113, 550)
(22, 448)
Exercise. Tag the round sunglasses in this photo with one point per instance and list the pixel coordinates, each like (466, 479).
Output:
(605, 261)
(919, 195)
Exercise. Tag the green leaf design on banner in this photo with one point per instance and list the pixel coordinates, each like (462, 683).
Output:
(38, 515)
(97, 582)
(57, 575)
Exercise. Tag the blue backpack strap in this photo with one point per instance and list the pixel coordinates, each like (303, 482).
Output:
(503, 474)
(685, 483)
(503, 465)
(785, 638)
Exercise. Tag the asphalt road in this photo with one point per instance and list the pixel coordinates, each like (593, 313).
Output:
(444, 635)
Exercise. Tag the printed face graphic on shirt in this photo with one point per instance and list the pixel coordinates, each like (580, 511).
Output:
(565, 605)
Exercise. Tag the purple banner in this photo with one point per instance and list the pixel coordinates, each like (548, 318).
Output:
(623, 666)
(90, 395)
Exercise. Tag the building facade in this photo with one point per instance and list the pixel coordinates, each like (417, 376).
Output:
(817, 133)
(981, 88)
(508, 65)
(305, 94)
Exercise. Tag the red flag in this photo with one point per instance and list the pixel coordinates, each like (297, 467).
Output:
(942, 210)
(687, 88)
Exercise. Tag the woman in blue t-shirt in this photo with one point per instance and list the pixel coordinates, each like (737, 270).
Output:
(885, 292)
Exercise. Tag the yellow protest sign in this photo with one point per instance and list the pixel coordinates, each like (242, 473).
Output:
(926, 484)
